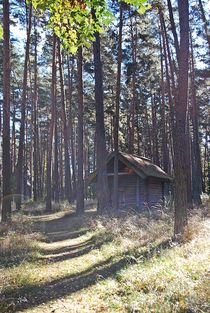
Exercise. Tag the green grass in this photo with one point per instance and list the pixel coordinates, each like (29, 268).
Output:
(98, 264)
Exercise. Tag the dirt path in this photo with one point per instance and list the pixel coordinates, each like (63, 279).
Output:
(72, 258)
(77, 268)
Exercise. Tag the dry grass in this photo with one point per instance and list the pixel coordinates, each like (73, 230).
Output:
(17, 242)
(120, 264)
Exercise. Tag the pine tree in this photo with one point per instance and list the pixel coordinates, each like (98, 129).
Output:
(20, 161)
(6, 204)
(80, 158)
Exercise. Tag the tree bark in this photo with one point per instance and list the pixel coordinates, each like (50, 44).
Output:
(20, 162)
(56, 172)
(71, 130)
(116, 124)
(6, 203)
(102, 181)
(50, 134)
(35, 124)
(168, 65)
(180, 140)
(196, 155)
(173, 27)
(203, 16)
(165, 156)
(68, 187)
(171, 88)
(133, 101)
(13, 137)
(154, 131)
(80, 157)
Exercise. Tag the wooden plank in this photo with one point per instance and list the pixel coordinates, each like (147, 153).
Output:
(119, 174)
(137, 191)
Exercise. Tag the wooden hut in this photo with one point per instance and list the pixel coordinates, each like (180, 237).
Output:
(142, 184)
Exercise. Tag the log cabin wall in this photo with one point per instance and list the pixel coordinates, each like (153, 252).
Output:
(132, 191)
(155, 192)
(137, 192)
(127, 190)
(142, 193)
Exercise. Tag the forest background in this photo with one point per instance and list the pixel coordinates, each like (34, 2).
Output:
(135, 91)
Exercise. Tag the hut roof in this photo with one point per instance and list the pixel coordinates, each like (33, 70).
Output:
(142, 166)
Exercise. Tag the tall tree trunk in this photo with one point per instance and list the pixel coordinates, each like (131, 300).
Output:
(165, 157)
(35, 125)
(102, 181)
(55, 170)
(13, 137)
(20, 162)
(173, 28)
(206, 161)
(148, 145)
(6, 203)
(116, 124)
(133, 101)
(188, 151)
(196, 154)
(50, 134)
(171, 88)
(31, 157)
(203, 16)
(68, 187)
(61, 172)
(71, 130)
(41, 166)
(154, 130)
(175, 99)
(80, 157)
(180, 140)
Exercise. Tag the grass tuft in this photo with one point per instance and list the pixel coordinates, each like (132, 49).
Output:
(18, 242)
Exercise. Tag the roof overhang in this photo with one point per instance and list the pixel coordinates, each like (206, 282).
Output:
(136, 170)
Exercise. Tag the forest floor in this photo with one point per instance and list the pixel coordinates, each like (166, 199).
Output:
(59, 263)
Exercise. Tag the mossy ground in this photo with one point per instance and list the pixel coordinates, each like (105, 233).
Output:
(63, 263)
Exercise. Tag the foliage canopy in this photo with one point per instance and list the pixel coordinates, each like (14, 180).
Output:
(1, 32)
(76, 21)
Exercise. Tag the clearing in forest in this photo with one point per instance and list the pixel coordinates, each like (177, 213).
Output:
(103, 264)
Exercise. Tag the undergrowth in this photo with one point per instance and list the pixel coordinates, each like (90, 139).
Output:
(126, 263)
(18, 241)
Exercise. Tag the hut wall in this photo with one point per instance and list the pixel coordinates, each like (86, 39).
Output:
(142, 193)
(132, 190)
(155, 192)
(137, 192)
(127, 190)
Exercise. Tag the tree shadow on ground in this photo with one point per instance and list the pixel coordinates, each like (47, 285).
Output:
(69, 220)
(56, 236)
(29, 252)
(71, 252)
(35, 295)
(56, 229)
(67, 226)
(68, 248)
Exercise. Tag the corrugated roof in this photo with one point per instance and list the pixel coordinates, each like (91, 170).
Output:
(141, 165)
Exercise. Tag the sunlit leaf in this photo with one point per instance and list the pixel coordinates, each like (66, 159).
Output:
(1, 32)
